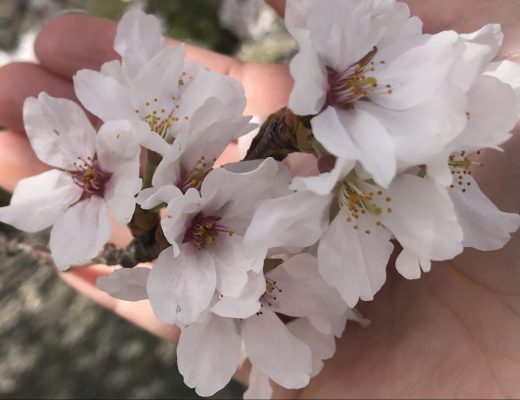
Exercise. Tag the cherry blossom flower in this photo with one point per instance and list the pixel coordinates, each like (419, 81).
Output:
(212, 128)
(376, 88)
(208, 351)
(152, 85)
(93, 174)
(322, 346)
(354, 220)
(492, 112)
(206, 231)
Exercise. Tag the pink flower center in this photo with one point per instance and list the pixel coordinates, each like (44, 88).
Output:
(203, 230)
(353, 84)
(90, 177)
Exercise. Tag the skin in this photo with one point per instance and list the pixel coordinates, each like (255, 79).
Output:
(453, 333)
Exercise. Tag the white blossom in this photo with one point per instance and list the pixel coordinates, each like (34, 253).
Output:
(93, 174)
(322, 346)
(213, 126)
(206, 232)
(376, 87)
(492, 112)
(209, 349)
(287, 354)
(152, 85)
(354, 220)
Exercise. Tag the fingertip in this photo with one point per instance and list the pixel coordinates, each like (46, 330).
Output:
(139, 313)
(19, 80)
(230, 155)
(71, 42)
(278, 6)
(17, 160)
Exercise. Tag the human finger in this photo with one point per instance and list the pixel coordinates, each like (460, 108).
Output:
(17, 160)
(72, 42)
(463, 16)
(278, 6)
(139, 313)
(20, 80)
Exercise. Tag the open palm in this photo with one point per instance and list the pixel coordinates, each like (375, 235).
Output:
(453, 333)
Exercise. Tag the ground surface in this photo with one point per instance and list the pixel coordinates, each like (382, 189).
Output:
(55, 343)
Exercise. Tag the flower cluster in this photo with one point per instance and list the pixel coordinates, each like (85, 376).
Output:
(254, 260)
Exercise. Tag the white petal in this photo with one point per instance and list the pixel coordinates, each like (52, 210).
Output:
(353, 261)
(477, 50)
(324, 183)
(259, 386)
(212, 128)
(232, 263)
(180, 211)
(357, 135)
(493, 113)
(296, 14)
(208, 85)
(351, 315)
(423, 131)
(117, 144)
(439, 169)
(332, 135)
(310, 79)
(181, 288)
(417, 72)
(485, 227)
(305, 294)
(158, 81)
(296, 220)
(410, 266)
(120, 193)
(275, 351)
(114, 70)
(103, 95)
(137, 40)
(150, 139)
(394, 17)
(375, 146)
(80, 233)
(128, 284)
(507, 72)
(332, 35)
(323, 346)
(170, 169)
(152, 197)
(208, 354)
(247, 304)
(422, 218)
(118, 153)
(270, 179)
(59, 130)
(39, 200)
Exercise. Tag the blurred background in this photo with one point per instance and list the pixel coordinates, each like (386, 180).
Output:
(55, 343)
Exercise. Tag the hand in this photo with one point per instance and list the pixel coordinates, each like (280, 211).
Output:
(454, 333)
(73, 42)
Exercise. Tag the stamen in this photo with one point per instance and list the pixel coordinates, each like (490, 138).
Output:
(194, 178)
(204, 230)
(353, 84)
(461, 167)
(359, 199)
(90, 177)
(160, 118)
(270, 295)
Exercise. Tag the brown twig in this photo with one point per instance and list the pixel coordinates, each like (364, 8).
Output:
(282, 133)
(142, 249)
